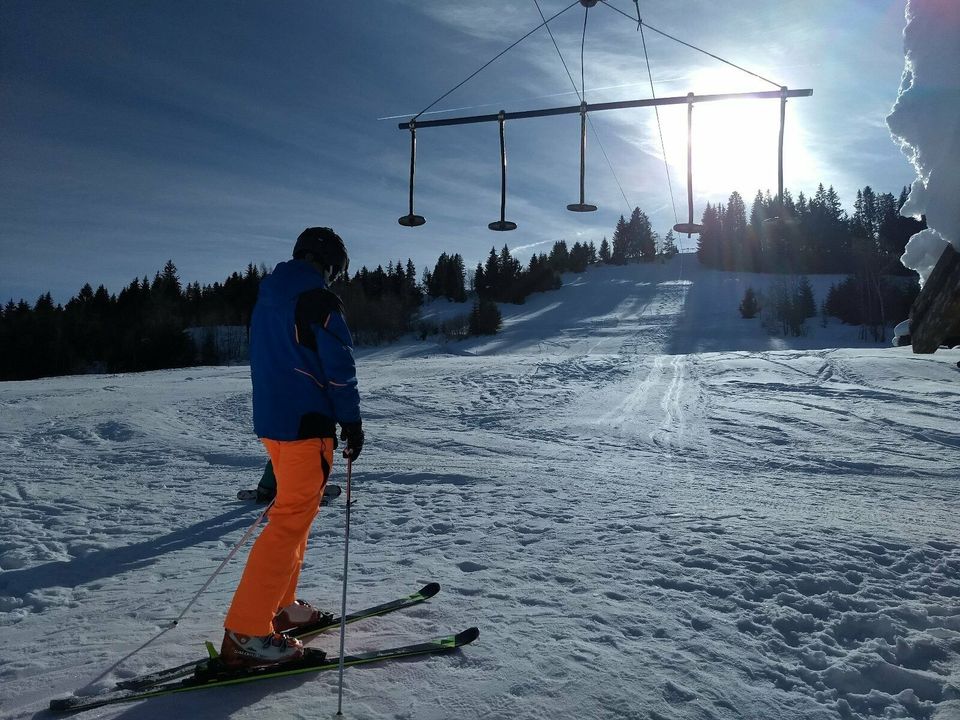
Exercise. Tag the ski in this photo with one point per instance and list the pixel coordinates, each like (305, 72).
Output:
(305, 633)
(211, 675)
(330, 492)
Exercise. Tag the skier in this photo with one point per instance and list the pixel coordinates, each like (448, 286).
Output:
(304, 383)
(266, 490)
(267, 487)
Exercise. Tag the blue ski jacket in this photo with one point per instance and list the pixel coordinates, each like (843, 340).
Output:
(301, 357)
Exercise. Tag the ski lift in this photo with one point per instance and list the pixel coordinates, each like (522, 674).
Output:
(690, 227)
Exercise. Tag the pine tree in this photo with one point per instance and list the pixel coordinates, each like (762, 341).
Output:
(621, 243)
(579, 258)
(413, 291)
(560, 256)
(604, 253)
(642, 241)
(780, 302)
(734, 233)
(806, 305)
(758, 213)
(749, 306)
(669, 247)
(510, 275)
(709, 242)
(168, 283)
(455, 279)
(485, 318)
(491, 274)
(479, 281)
(435, 281)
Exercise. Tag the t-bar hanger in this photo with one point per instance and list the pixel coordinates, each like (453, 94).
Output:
(502, 225)
(582, 206)
(411, 219)
(690, 226)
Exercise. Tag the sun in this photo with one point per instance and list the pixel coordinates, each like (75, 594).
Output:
(735, 146)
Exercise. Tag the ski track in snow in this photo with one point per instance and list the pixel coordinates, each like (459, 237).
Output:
(645, 521)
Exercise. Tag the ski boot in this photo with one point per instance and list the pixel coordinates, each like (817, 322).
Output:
(246, 651)
(297, 615)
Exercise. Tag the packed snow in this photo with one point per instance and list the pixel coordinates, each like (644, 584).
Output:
(650, 507)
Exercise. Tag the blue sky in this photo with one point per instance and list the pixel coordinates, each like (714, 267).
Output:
(212, 133)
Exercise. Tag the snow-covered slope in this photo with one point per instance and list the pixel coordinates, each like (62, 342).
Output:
(651, 509)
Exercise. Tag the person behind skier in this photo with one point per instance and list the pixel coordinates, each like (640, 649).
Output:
(304, 384)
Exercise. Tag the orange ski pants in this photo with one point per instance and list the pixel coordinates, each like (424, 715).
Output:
(270, 577)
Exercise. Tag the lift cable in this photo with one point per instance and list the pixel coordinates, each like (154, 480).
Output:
(560, 54)
(581, 97)
(490, 62)
(583, 42)
(694, 47)
(653, 94)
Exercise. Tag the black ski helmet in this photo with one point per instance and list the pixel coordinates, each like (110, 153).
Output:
(326, 247)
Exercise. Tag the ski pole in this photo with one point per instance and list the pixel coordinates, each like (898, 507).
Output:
(343, 601)
(178, 618)
(223, 564)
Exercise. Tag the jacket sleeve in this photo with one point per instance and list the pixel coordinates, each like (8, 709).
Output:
(335, 347)
(321, 326)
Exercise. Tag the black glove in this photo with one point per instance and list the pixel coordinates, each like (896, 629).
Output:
(352, 434)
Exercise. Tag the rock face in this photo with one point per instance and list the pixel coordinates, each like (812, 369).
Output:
(935, 315)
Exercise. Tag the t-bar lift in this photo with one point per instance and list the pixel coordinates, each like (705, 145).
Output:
(411, 219)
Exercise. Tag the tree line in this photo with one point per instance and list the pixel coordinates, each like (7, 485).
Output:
(142, 327)
(789, 302)
(816, 235)
(807, 235)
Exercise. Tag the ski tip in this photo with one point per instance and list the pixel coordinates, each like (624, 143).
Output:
(468, 636)
(429, 590)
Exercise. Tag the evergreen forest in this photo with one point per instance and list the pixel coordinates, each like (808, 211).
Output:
(144, 326)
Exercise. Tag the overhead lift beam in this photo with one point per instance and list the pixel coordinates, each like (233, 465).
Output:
(594, 107)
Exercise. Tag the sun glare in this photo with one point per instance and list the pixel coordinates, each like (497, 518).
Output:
(734, 145)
